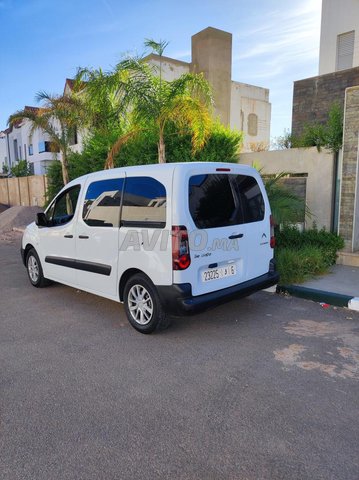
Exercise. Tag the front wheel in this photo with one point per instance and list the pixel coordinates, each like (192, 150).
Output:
(142, 305)
(34, 270)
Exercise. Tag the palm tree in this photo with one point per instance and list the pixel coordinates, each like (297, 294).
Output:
(143, 100)
(286, 206)
(58, 117)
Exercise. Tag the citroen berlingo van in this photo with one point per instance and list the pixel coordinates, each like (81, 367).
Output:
(162, 239)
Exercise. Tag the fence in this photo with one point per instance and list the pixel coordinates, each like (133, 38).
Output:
(26, 191)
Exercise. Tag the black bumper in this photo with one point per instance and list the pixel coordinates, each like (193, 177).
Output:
(177, 299)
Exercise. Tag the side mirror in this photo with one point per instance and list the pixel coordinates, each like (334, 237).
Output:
(41, 220)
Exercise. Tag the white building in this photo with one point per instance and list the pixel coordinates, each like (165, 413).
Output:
(18, 143)
(3, 151)
(21, 145)
(239, 105)
(339, 38)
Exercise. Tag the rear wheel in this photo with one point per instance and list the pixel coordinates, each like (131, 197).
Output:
(142, 305)
(34, 270)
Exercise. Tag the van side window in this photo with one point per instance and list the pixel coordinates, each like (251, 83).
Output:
(64, 207)
(102, 203)
(220, 200)
(144, 203)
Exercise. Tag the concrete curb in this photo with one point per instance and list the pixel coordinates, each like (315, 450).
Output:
(336, 299)
(19, 229)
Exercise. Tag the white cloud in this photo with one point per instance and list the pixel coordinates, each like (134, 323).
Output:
(287, 34)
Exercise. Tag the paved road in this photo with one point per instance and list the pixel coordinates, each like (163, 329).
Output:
(262, 388)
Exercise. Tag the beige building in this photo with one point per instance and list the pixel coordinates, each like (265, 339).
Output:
(239, 105)
(339, 37)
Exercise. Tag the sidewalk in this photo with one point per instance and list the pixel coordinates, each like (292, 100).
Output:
(339, 287)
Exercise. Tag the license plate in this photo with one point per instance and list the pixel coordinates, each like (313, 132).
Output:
(218, 273)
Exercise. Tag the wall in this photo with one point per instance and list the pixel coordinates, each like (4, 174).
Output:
(246, 99)
(22, 133)
(212, 55)
(39, 160)
(313, 97)
(318, 165)
(171, 68)
(3, 151)
(26, 191)
(337, 17)
(349, 199)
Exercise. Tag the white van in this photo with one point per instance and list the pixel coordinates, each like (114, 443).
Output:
(163, 239)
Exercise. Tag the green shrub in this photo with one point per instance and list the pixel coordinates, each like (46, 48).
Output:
(328, 135)
(54, 180)
(222, 145)
(21, 169)
(295, 265)
(329, 243)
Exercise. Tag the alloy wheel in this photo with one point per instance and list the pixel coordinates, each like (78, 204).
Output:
(33, 269)
(140, 304)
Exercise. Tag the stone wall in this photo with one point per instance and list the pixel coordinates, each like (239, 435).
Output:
(26, 191)
(349, 198)
(313, 97)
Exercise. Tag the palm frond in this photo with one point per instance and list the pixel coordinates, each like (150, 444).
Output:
(190, 113)
(286, 206)
(158, 47)
(195, 85)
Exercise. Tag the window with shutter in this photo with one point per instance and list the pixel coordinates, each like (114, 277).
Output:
(252, 124)
(345, 50)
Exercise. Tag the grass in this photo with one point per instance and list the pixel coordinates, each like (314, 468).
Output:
(296, 266)
(303, 255)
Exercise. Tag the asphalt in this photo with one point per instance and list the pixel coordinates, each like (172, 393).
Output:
(264, 387)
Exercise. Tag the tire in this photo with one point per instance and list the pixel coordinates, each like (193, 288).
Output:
(142, 305)
(34, 270)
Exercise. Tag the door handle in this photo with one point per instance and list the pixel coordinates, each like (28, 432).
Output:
(238, 235)
(83, 237)
(68, 236)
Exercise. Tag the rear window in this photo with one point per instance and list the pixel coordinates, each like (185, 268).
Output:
(220, 200)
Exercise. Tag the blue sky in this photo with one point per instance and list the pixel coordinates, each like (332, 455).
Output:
(43, 41)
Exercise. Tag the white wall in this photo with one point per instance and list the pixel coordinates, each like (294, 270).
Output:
(21, 133)
(3, 151)
(40, 161)
(246, 99)
(319, 166)
(171, 69)
(338, 16)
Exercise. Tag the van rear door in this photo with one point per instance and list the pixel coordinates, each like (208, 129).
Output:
(229, 228)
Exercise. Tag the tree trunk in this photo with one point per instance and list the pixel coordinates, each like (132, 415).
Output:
(64, 167)
(161, 149)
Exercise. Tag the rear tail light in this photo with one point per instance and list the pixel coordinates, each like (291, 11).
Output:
(272, 237)
(181, 258)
